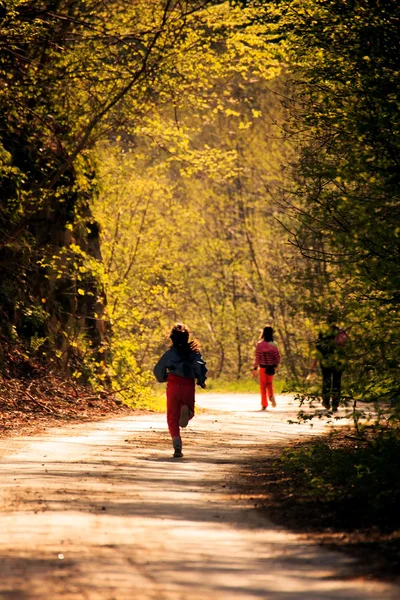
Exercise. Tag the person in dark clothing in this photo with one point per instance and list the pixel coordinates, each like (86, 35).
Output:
(331, 355)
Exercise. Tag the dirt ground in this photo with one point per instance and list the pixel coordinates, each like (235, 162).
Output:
(102, 511)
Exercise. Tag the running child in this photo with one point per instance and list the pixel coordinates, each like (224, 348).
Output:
(181, 366)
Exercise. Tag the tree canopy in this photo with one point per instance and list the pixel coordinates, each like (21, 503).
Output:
(231, 164)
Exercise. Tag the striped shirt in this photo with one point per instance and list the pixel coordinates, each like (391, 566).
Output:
(266, 354)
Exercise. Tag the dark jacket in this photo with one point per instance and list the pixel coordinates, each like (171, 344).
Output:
(331, 348)
(172, 361)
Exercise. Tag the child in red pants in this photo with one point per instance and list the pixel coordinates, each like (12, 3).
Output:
(181, 366)
(267, 358)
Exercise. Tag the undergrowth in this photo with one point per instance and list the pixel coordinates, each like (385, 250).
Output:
(357, 478)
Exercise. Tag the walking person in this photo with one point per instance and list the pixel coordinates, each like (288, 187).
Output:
(267, 358)
(181, 366)
(331, 355)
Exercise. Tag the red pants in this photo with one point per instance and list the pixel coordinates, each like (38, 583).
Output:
(180, 391)
(266, 387)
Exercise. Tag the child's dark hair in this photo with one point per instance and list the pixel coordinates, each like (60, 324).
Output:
(179, 337)
(267, 334)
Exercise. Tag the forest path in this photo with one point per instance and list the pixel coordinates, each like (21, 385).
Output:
(102, 511)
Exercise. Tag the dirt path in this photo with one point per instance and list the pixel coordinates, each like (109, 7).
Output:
(104, 512)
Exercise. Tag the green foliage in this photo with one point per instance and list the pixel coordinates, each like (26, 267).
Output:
(188, 237)
(358, 480)
(176, 123)
(73, 73)
(33, 319)
(344, 208)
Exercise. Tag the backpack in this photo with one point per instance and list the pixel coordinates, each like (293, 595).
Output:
(341, 337)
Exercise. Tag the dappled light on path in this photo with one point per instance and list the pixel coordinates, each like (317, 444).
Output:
(105, 513)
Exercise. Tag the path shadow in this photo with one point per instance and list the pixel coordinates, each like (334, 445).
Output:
(209, 543)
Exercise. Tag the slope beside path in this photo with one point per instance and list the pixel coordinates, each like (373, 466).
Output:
(102, 511)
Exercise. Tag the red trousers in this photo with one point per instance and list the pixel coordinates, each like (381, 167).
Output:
(180, 391)
(266, 386)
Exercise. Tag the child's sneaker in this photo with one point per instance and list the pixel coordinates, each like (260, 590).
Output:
(177, 444)
(178, 452)
(185, 415)
(273, 401)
